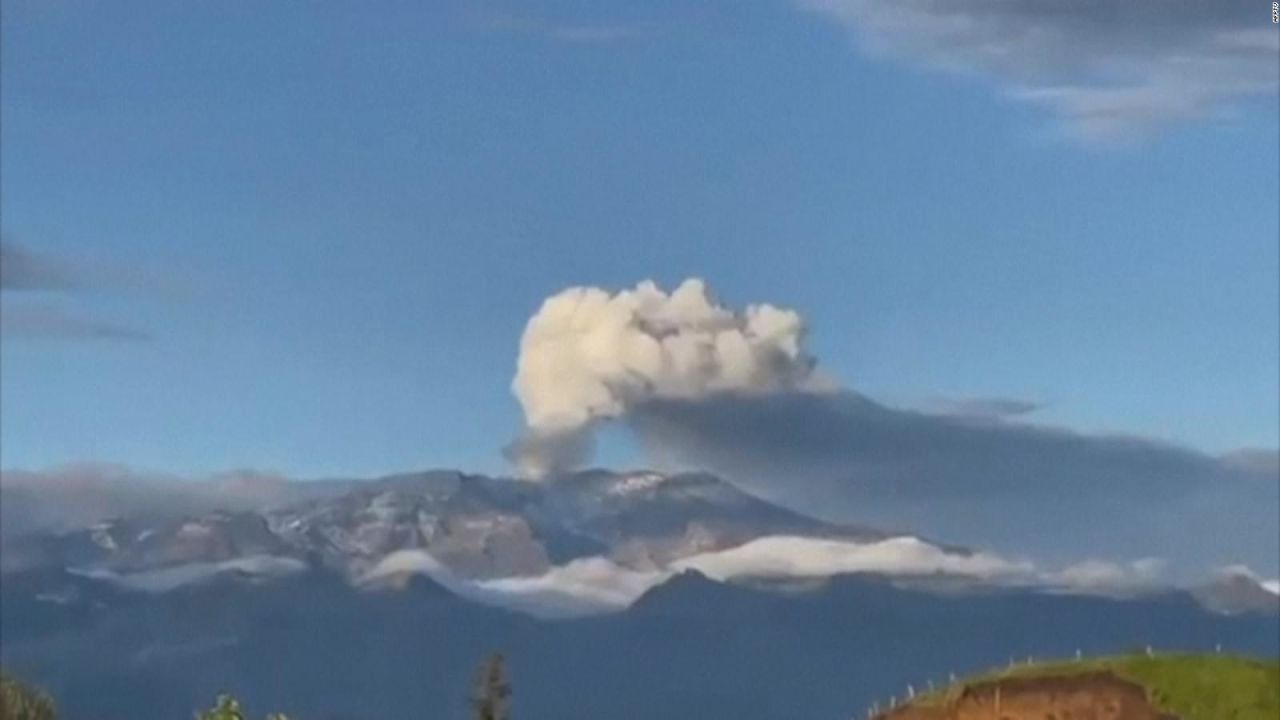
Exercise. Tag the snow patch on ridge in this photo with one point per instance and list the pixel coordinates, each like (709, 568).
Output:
(635, 484)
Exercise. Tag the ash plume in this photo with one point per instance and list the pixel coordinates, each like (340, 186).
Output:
(589, 355)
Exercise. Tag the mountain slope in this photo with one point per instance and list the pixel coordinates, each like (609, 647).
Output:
(477, 527)
(1237, 591)
(1187, 687)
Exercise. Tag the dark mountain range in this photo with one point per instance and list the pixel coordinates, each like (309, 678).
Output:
(314, 646)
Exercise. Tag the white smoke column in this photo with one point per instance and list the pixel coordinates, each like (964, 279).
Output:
(588, 355)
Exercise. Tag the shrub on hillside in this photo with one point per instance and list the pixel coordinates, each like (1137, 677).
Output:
(22, 702)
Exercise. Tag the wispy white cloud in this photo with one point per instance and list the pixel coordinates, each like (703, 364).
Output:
(1110, 70)
(990, 408)
(168, 578)
(413, 561)
(583, 586)
(48, 322)
(801, 557)
(1107, 577)
(586, 586)
(784, 556)
(578, 33)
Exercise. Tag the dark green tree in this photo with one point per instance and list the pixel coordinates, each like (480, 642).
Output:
(228, 708)
(491, 694)
(22, 702)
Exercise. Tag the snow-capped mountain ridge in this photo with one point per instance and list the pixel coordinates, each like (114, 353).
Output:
(476, 526)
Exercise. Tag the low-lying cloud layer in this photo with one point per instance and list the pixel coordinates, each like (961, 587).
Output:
(1109, 69)
(1109, 577)
(165, 579)
(736, 392)
(581, 587)
(597, 584)
(815, 557)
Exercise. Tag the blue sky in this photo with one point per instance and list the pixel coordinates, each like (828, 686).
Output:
(331, 227)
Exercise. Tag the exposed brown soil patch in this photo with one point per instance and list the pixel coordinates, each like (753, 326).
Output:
(1088, 696)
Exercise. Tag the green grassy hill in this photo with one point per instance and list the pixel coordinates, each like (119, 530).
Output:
(1192, 687)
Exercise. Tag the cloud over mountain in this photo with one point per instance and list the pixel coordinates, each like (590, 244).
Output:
(818, 557)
